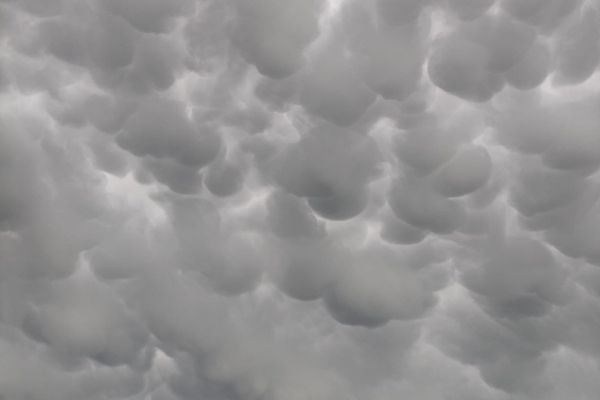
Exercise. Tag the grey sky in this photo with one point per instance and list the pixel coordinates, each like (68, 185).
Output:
(299, 199)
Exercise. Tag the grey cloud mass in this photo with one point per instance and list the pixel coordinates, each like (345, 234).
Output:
(299, 199)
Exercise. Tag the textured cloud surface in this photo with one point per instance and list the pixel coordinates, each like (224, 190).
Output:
(299, 199)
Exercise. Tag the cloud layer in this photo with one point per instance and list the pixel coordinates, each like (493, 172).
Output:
(299, 199)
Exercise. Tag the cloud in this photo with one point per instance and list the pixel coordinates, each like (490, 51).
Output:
(273, 35)
(299, 199)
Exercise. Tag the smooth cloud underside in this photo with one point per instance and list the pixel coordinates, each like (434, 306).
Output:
(299, 199)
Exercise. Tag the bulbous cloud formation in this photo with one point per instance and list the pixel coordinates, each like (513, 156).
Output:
(299, 199)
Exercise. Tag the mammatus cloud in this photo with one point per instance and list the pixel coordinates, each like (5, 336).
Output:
(299, 199)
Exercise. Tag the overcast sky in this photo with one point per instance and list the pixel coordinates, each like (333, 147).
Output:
(299, 199)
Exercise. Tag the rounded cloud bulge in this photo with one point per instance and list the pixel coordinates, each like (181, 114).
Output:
(299, 199)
